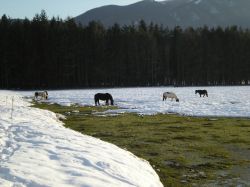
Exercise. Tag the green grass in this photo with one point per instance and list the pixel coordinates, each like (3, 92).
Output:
(184, 151)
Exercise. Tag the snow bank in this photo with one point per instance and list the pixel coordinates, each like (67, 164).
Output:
(222, 101)
(36, 150)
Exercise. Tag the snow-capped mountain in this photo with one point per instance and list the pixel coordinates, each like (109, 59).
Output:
(171, 13)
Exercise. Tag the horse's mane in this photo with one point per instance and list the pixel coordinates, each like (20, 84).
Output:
(110, 96)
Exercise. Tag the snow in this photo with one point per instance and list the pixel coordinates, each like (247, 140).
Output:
(37, 151)
(221, 101)
(195, 1)
(198, 2)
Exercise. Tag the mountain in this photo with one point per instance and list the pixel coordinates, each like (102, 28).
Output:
(171, 13)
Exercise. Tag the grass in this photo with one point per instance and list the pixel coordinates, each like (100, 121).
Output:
(184, 151)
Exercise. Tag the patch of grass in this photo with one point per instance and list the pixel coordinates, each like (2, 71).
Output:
(238, 140)
(182, 150)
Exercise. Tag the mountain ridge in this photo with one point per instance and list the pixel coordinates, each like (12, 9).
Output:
(171, 13)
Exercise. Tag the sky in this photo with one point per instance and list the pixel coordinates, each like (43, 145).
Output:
(61, 8)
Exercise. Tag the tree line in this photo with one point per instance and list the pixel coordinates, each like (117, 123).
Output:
(55, 53)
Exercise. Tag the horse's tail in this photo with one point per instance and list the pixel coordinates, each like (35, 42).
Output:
(96, 99)
(36, 95)
(46, 94)
(164, 97)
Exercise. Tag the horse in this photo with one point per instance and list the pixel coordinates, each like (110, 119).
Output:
(43, 95)
(104, 97)
(201, 92)
(170, 95)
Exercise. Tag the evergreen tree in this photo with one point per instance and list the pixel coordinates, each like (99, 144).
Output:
(56, 53)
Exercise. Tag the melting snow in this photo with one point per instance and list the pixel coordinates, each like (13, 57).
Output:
(221, 101)
(37, 151)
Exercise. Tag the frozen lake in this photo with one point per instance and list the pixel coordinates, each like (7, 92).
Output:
(221, 101)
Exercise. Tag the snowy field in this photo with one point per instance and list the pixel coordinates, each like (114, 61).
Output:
(37, 151)
(222, 101)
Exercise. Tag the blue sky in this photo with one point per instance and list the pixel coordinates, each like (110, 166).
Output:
(61, 8)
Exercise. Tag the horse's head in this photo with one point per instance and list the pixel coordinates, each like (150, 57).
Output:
(109, 97)
(196, 91)
(111, 100)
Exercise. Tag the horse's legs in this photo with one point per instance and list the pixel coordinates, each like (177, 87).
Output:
(97, 102)
(107, 102)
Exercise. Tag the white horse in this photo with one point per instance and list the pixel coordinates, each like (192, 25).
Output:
(42, 95)
(170, 95)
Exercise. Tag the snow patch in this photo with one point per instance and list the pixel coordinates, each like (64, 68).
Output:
(197, 2)
(36, 150)
(221, 101)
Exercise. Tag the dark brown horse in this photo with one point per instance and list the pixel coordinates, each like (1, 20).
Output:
(201, 92)
(104, 97)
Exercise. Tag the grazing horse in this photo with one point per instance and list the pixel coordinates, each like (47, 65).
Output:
(170, 95)
(104, 97)
(201, 92)
(43, 95)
